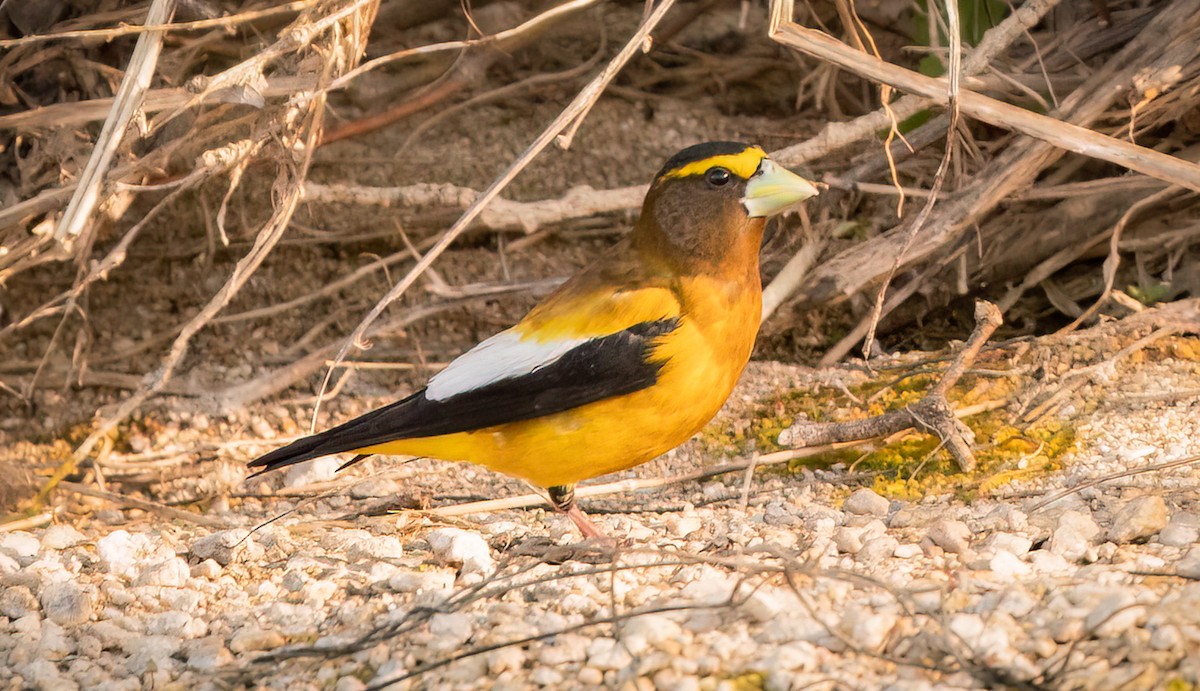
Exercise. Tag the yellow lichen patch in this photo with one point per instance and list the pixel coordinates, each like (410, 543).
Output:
(747, 681)
(912, 466)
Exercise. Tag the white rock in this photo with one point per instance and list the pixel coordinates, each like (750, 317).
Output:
(44, 674)
(675, 680)
(372, 488)
(376, 547)
(208, 569)
(565, 649)
(506, 659)
(767, 602)
(207, 654)
(110, 635)
(590, 677)
(1017, 545)
(450, 629)
(1139, 519)
(463, 547)
(310, 472)
(61, 536)
(683, 526)
(1049, 563)
(1114, 615)
(227, 546)
(173, 572)
(174, 623)
(153, 652)
(969, 627)
(1166, 637)
(438, 581)
(546, 677)
(877, 549)
(320, 591)
(252, 637)
(1008, 566)
(797, 656)
(8, 564)
(21, 546)
(865, 502)
(349, 683)
(908, 551)
(54, 643)
(952, 536)
(1189, 565)
(122, 554)
(1179, 535)
(1074, 536)
(656, 630)
(17, 601)
(866, 628)
(66, 603)
(606, 653)
(848, 539)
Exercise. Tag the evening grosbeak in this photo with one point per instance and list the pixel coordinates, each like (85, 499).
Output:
(625, 361)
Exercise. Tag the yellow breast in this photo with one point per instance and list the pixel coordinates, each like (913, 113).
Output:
(704, 357)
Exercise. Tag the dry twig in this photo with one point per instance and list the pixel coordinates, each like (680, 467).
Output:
(931, 414)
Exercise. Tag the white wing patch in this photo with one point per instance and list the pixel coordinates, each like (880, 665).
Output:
(503, 356)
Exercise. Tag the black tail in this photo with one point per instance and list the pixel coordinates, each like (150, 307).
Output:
(360, 432)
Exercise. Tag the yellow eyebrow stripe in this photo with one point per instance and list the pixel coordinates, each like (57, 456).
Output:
(742, 164)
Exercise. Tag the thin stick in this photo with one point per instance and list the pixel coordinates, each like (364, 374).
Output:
(573, 112)
(838, 134)
(638, 484)
(126, 103)
(153, 507)
(161, 26)
(939, 178)
(1165, 465)
(29, 522)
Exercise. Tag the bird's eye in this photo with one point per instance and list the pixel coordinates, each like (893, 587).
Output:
(718, 176)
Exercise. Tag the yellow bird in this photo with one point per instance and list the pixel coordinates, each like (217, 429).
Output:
(622, 363)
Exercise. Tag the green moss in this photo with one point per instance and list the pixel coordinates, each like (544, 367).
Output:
(746, 681)
(914, 465)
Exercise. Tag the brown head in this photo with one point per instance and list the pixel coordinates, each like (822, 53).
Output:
(707, 207)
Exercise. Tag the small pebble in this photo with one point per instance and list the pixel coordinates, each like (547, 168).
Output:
(61, 536)
(21, 546)
(1179, 535)
(66, 603)
(462, 547)
(952, 536)
(1074, 536)
(1139, 519)
(226, 546)
(865, 502)
(251, 638)
(17, 601)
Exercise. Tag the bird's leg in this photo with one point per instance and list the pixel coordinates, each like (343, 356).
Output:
(562, 498)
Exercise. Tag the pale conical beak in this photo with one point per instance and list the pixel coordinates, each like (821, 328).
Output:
(774, 189)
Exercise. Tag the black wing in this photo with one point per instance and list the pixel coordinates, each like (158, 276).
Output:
(602, 368)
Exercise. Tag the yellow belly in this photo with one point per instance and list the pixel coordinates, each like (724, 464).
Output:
(705, 356)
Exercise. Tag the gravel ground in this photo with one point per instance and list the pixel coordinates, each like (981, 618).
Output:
(816, 582)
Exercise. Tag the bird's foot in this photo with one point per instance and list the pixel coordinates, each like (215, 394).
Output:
(591, 533)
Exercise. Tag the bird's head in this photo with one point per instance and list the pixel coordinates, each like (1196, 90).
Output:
(707, 206)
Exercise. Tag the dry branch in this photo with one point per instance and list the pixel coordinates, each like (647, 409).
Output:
(932, 413)
(125, 105)
(1056, 132)
(500, 214)
(1013, 169)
